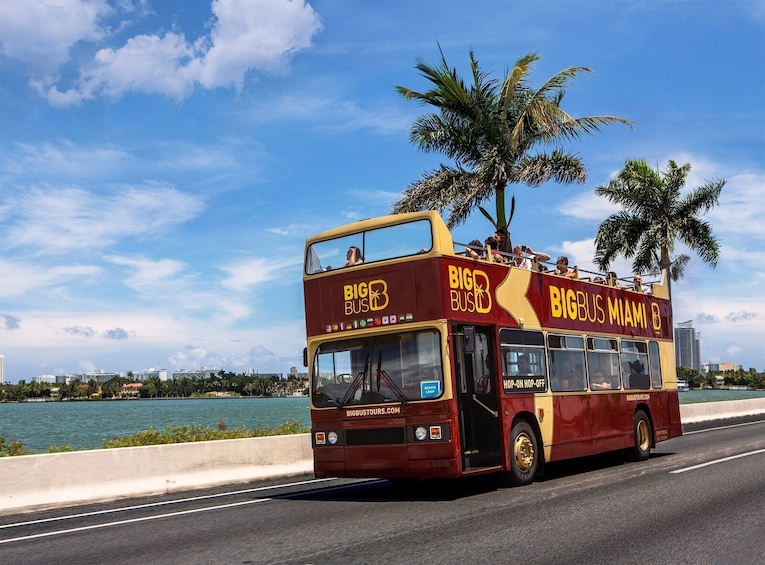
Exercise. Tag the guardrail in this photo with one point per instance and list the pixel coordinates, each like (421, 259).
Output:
(51, 480)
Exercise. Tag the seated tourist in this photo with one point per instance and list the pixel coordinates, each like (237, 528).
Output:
(562, 269)
(474, 250)
(522, 257)
(598, 381)
(492, 246)
(354, 256)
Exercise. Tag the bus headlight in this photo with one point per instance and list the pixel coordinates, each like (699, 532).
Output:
(332, 438)
(421, 433)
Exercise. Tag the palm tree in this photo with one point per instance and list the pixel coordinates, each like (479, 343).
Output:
(654, 216)
(489, 129)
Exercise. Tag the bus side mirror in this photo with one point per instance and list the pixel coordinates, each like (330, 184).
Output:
(468, 339)
(305, 357)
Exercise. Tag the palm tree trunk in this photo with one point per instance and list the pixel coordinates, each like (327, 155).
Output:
(664, 264)
(505, 244)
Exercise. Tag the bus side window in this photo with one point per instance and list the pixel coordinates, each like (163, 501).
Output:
(654, 363)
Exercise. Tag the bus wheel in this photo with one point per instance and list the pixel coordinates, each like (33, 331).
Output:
(524, 454)
(641, 430)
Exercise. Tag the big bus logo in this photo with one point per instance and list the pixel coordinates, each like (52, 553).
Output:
(365, 296)
(469, 290)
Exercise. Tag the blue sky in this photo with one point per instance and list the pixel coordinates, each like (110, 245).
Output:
(161, 163)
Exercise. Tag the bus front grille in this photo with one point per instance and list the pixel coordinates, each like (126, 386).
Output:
(377, 436)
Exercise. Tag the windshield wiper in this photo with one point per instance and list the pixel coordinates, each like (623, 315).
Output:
(357, 381)
(382, 375)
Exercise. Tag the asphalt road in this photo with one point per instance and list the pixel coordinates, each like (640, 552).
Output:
(698, 499)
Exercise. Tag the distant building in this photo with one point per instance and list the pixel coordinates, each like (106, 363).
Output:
(130, 390)
(203, 373)
(95, 375)
(715, 368)
(687, 350)
(143, 376)
(2, 369)
(50, 379)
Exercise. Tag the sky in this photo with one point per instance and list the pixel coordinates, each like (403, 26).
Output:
(162, 162)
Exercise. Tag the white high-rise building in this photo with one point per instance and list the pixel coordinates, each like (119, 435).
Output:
(687, 350)
(2, 369)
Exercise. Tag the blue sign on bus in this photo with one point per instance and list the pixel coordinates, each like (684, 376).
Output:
(430, 389)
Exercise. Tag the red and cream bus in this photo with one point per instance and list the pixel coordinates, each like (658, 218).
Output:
(426, 363)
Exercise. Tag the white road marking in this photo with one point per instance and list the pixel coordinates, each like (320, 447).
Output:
(133, 520)
(714, 462)
(162, 503)
(723, 427)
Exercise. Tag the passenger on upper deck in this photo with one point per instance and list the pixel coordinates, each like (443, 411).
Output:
(521, 259)
(354, 256)
(473, 250)
(611, 279)
(492, 242)
(637, 283)
(562, 269)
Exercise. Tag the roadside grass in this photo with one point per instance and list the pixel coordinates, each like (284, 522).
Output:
(171, 434)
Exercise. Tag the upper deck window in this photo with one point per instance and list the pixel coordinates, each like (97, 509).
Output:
(379, 244)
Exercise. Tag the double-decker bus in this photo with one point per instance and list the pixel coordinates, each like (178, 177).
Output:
(426, 363)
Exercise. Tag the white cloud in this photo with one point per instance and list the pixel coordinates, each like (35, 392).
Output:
(148, 275)
(41, 33)
(147, 63)
(64, 159)
(22, 278)
(58, 220)
(247, 273)
(254, 35)
(245, 35)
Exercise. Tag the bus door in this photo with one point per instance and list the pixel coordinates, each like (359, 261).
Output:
(477, 397)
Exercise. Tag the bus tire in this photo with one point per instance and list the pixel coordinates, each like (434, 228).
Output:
(524, 454)
(641, 432)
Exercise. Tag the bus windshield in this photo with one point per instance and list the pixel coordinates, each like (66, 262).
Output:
(388, 242)
(399, 367)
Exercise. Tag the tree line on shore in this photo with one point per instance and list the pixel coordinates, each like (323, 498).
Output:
(740, 378)
(222, 383)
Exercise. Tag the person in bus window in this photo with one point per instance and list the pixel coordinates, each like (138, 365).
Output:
(560, 384)
(560, 381)
(354, 256)
(522, 255)
(524, 369)
(576, 379)
(638, 377)
(562, 269)
(599, 381)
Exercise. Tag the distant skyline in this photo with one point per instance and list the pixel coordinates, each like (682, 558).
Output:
(161, 163)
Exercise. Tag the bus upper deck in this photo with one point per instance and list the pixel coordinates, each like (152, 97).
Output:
(405, 255)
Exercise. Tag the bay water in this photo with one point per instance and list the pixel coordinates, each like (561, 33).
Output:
(87, 424)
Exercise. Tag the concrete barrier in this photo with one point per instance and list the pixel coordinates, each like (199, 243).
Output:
(51, 480)
(705, 411)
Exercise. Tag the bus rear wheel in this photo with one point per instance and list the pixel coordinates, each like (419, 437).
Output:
(524, 454)
(641, 431)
